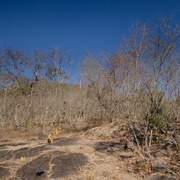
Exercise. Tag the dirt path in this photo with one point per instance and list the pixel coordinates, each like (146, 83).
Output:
(77, 157)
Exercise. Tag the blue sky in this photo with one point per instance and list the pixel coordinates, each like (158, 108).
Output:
(75, 25)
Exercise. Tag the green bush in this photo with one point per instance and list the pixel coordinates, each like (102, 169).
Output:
(160, 121)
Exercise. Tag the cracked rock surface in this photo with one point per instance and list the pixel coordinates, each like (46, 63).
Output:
(48, 161)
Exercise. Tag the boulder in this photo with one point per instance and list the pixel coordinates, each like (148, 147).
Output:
(168, 143)
(160, 165)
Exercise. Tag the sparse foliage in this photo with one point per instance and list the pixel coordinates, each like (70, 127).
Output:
(140, 80)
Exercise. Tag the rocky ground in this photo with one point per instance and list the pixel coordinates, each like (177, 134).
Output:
(105, 152)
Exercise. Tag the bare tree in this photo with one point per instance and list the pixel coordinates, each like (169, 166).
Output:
(60, 64)
(105, 75)
(142, 72)
(163, 60)
(14, 65)
(134, 51)
(28, 73)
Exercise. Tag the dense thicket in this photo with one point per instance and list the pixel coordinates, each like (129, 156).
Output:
(141, 80)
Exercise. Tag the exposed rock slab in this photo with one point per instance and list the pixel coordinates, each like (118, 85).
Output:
(6, 155)
(104, 145)
(52, 154)
(65, 165)
(62, 164)
(74, 160)
(4, 172)
(62, 171)
(8, 164)
(161, 177)
(16, 144)
(4, 146)
(27, 152)
(66, 142)
(36, 169)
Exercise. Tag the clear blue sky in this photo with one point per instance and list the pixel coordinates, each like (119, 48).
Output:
(74, 24)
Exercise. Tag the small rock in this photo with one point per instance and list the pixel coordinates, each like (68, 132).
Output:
(42, 136)
(115, 124)
(114, 131)
(113, 149)
(161, 177)
(127, 155)
(157, 153)
(121, 134)
(104, 145)
(160, 165)
(105, 134)
(129, 145)
(147, 175)
(140, 161)
(123, 140)
(168, 143)
(94, 130)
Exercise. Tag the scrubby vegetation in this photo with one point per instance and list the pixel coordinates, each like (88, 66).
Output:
(139, 81)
